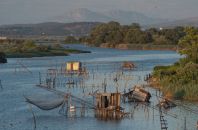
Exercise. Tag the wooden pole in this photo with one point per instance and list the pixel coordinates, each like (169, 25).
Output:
(1, 85)
(40, 78)
(185, 123)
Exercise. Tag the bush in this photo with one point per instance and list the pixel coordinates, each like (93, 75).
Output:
(179, 94)
(3, 58)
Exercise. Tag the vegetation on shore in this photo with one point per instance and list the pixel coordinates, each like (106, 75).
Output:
(113, 34)
(71, 40)
(28, 48)
(3, 58)
(180, 80)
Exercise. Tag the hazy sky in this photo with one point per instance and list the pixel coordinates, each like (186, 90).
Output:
(27, 11)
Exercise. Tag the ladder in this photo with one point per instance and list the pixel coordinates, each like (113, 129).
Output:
(163, 122)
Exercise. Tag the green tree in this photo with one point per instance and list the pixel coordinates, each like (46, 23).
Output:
(136, 36)
(189, 44)
(173, 35)
(135, 26)
(70, 39)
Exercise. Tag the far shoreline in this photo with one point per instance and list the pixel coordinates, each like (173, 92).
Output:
(140, 47)
(151, 47)
(44, 54)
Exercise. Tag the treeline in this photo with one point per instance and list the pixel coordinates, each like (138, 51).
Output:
(114, 33)
(181, 79)
(71, 40)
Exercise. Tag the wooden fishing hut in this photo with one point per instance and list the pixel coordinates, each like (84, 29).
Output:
(128, 65)
(138, 94)
(75, 67)
(108, 106)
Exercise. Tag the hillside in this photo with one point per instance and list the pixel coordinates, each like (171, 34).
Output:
(50, 29)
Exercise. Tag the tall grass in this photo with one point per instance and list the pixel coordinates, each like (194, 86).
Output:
(180, 82)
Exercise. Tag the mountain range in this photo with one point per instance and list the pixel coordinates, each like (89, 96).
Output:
(121, 16)
(183, 22)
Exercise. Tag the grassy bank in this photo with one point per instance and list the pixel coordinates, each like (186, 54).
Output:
(178, 82)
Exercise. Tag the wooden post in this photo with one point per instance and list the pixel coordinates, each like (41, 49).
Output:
(185, 123)
(40, 78)
(54, 82)
(153, 113)
(1, 86)
(93, 74)
(82, 110)
(105, 85)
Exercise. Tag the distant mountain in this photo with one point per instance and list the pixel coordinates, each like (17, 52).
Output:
(128, 17)
(81, 15)
(123, 17)
(183, 22)
(50, 28)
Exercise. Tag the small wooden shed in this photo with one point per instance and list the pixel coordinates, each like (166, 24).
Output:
(73, 66)
(108, 106)
(138, 94)
(106, 100)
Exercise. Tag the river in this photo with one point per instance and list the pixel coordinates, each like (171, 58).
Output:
(20, 75)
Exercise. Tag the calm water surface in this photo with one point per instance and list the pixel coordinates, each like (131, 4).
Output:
(17, 81)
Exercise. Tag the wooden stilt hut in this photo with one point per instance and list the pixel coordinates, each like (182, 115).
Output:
(75, 67)
(138, 94)
(108, 106)
(128, 65)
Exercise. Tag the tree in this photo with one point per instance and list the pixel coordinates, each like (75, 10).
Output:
(173, 35)
(136, 36)
(189, 45)
(152, 31)
(70, 39)
(135, 26)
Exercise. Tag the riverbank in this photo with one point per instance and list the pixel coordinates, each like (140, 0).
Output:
(139, 46)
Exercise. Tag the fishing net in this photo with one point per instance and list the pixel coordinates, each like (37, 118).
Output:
(45, 104)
